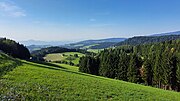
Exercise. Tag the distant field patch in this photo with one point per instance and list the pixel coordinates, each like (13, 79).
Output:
(64, 57)
(95, 50)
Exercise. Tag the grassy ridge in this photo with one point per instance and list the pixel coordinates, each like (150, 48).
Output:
(33, 81)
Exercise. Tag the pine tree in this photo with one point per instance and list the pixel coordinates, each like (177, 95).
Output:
(166, 68)
(158, 71)
(173, 69)
(178, 74)
(122, 66)
(83, 65)
(133, 71)
(147, 72)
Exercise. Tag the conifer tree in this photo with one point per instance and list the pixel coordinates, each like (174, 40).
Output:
(122, 66)
(133, 71)
(147, 73)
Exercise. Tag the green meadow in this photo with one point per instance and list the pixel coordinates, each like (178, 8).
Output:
(32, 81)
(66, 56)
(95, 50)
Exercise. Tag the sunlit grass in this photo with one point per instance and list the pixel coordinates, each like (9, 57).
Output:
(66, 56)
(33, 81)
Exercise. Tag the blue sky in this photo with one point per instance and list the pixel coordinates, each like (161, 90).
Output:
(69, 20)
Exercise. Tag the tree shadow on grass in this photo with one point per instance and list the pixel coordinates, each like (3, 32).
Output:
(57, 67)
(84, 74)
(40, 63)
(44, 66)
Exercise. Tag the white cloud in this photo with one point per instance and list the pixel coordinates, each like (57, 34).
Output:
(11, 9)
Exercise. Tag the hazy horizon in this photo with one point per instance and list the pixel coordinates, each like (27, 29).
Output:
(77, 20)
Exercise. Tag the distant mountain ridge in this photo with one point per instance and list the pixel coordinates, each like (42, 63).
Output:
(36, 47)
(168, 33)
(94, 44)
(103, 40)
(37, 42)
(99, 43)
(138, 40)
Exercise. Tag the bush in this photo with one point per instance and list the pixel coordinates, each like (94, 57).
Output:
(76, 55)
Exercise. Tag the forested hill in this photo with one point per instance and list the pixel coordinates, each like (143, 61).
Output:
(14, 49)
(147, 39)
(155, 64)
(168, 33)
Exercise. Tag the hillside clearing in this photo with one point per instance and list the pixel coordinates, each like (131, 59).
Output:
(66, 56)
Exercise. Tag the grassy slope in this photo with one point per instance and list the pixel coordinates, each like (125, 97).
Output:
(34, 82)
(7, 63)
(60, 57)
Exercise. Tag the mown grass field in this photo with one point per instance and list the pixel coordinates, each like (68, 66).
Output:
(95, 50)
(66, 56)
(33, 81)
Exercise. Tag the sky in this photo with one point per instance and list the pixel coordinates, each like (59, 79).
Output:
(70, 20)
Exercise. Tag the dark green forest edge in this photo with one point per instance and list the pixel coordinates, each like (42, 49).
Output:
(9, 50)
(14, 49)
(154, 64)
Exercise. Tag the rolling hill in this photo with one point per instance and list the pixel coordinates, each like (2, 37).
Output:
(73, 57)
(168, 33)
(33, 81)
(95, 44)
(40, 54)
(147, 39)
(38, 42)
(32, 48)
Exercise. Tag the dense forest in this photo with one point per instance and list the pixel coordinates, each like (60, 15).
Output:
(14, 49)
(155, 64)
(138, 40)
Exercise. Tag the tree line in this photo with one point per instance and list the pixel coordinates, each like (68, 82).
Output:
(14, 49)
(155, 64)
(38, 55)
(138, 40)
